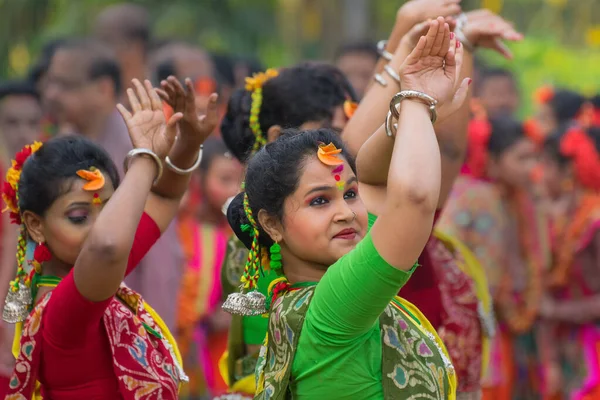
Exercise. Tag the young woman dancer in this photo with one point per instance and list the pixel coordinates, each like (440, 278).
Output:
(571, 310)
(306, 96)
(84, 334)
(336, 329)
(491, 211)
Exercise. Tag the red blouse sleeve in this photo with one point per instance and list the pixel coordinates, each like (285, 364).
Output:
(146, 235)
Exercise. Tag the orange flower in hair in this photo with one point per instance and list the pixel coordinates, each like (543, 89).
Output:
(328, 154)
(543, 94)
(350, 108)
(533, 132)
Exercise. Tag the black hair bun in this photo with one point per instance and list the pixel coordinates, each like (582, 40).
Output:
(237, 217)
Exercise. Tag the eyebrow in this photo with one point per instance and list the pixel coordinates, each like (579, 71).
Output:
(326, 187)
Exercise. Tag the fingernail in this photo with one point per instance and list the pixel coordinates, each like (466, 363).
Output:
(451, 35)
(470, 81)
(457, 44)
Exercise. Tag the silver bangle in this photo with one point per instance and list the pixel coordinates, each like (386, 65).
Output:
(382, 51)
(146, 152)
(390, 71)
(390, 127)
(380, 79)
(461, 22)
(180, 171)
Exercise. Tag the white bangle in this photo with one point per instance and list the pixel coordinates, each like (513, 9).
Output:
(180, 171)
(142, 152)
(390, 71)
(382, 51)
(380, 79)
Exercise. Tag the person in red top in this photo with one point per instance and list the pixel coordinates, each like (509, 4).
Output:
(82, 333)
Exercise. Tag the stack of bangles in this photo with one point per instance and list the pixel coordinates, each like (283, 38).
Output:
(461, 22)
(145, 152)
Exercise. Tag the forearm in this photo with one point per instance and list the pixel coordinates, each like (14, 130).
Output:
(101, 264)
(183, 155)
(374, 106)
(402, 26)
(415, 169)
(452, 136)
(374, 158)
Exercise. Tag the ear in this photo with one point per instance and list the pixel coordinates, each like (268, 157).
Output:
(271, 225)
(35, 226)
(273, 133)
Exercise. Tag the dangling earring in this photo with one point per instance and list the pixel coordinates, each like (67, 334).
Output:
(41, 254)
(275, 258)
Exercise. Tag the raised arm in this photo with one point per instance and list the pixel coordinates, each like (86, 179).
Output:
(410, 26)
(185, 155)
(413, 188)
(101, 264)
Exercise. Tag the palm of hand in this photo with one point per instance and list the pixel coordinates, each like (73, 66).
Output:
(147, 130)
(428, 75)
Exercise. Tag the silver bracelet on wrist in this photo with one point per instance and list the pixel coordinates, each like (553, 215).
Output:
(390, 71)
(390, 127)
(380, 79)
(461, 22)
(191, 169)
(382, 51)
(144, 152)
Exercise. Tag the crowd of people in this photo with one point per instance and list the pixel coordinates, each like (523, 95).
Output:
(383, 226)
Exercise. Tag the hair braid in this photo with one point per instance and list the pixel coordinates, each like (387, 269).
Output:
(253, 264)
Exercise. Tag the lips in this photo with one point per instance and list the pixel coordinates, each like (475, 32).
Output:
(347, 234)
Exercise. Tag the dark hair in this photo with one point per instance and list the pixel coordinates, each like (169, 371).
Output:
(39, 69)
(101, 61)
(273, 175)
(489, 73)
(368, 48)
(305, 92)
(45, 173)
(566, 104)
(18, 88)
(212, 148)
(130, 21)
(505, 133)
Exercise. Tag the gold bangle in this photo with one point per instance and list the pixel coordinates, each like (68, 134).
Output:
(144, 152)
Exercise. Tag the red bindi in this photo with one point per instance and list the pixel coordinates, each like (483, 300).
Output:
(337, 178)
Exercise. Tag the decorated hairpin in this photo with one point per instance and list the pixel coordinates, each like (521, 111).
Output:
(95, 180)
(329, 155)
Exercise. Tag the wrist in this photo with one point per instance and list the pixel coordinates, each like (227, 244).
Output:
(408, 14)
(145, 163)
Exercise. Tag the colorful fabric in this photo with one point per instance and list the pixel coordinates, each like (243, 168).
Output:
(411, 356)
(509, 236)
(578, 346)
(200, 296)
(244, 330)
(468, 319)
(338, 340)
(144, 362)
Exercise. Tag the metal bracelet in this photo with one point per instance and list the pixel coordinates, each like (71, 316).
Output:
(463, 39)
(390, 71)
(380, 79)
(144, 152)
(382, 51)
(390, 127)
(180, 171)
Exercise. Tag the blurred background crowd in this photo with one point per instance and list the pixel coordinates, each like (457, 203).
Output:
(64, 65)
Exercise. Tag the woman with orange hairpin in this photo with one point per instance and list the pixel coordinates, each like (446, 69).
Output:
(491, 211)
(572, 308)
